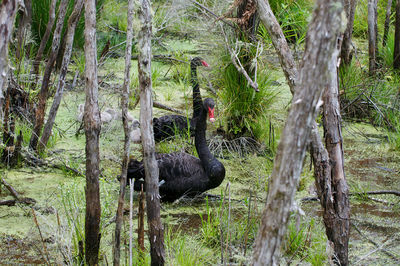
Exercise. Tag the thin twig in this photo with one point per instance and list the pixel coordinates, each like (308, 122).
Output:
(375, 244)
(236, 62)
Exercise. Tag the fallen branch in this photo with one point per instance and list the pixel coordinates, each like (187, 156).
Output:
(375, 244)
(161, 57)
(379, 192)
(165, 107)
(13, 192)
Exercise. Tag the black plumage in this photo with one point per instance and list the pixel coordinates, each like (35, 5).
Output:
(181, 173)
(171, 125)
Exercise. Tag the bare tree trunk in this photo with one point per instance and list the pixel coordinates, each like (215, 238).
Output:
(286, 59)
(396, 55)
(387, 22)
(92, 132)
(43, 42)
(44, 90)
(372, 36)
(156, 230)
(72, 22)
(336, 205)
(8, 10)
(23, 27)
(346, 51)
(321, 41)
(125, 159)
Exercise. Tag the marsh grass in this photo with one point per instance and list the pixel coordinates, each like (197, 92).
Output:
(243, 108)
(305, 242)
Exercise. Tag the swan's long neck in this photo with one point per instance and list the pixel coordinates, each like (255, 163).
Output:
(200, 139)
(197, 102)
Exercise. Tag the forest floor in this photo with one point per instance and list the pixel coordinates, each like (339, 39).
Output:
(370, 165)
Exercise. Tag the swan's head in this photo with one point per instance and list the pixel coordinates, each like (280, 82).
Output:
(209, 105)
(198, 61)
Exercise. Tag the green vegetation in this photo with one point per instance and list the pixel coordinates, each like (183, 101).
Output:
(221, 227)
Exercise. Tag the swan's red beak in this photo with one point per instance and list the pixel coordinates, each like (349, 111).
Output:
(211, 114)
(205, 63)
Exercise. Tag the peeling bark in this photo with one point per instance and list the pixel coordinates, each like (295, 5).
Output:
(156, 230)
(337, 208)
(321, 41)
(8, 11)
(92, 133)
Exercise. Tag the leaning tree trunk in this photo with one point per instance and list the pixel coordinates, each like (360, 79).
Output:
(321, 41)
(8, 10)
(396, 54)
(92, 132)
(387, 22)
(346, 52)
(43, 42)
(44, 90)
(125, 159)
(372, 36)
(156, 230)
(72, 22)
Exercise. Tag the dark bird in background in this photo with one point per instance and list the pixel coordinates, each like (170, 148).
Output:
(182, 174)
(170, 125)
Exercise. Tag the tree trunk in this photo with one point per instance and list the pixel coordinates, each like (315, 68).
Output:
(125, 159)
(396, 55)
(156, 230)
(72, 22)
(44, 90)
(92, 132)
(336, 205)
(346, 51)
(372, 36)
(387, 22)
(8, 10)
(23, 27)
(43, 42)
(321, 42)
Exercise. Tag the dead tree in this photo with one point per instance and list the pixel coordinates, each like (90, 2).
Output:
(156, 230)
(396, 55)
(72, 22)
(387, 22)
(321, 42)
(8, 10)
(92, 131)
(372, 35)
(44, 90)
(23, 27)
(125, 159)
(334, 190)
(43, 42)
(346, 52)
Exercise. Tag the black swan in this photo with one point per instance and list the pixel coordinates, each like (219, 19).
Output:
(181, 173)
(169, 125)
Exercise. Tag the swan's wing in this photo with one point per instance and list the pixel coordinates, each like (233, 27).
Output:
(178, 165)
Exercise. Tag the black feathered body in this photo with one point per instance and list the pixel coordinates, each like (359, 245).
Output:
(171, 125)
(182, 174)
